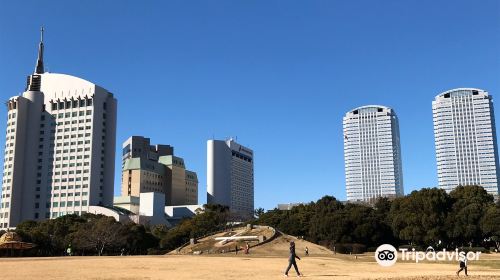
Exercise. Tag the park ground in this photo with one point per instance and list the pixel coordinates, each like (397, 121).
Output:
(230, 266)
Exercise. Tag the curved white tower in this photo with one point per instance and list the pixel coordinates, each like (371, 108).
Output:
(372, 153)
(60, 148)
(465, 138)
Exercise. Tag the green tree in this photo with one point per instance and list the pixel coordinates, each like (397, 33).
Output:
(100, 233)
(258, 212)
(420, 217)
(159, 231)
(469, 204)
(138, 239)
(490, 224)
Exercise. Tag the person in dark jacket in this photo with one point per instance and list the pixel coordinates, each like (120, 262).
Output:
(462, 260)
(291, 260)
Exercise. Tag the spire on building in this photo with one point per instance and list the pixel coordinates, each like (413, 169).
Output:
(39, 69)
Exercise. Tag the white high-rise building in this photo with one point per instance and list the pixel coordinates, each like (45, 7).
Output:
(59, 150)
(230, 177)
(372, 153)
(465, 137)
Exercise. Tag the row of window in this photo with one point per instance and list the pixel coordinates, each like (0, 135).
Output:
(71, 104)
(73, 114)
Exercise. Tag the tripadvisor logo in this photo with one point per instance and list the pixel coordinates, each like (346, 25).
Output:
(387, 255)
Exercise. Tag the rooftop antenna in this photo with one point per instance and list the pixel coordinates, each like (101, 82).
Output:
(39, 69)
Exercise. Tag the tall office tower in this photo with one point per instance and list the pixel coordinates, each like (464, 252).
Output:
(372, 154)
(465, 137)
(154, 168)
(230, 176)
(60, 148)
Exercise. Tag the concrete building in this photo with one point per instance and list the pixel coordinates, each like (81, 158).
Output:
(372, 153)
(176, 213)
(154, 168)
(130, 203)
(141, 175)
(230, 176)
(140, 147)
(147, 209)
(288, 206)
(60, 148)
(465, 138)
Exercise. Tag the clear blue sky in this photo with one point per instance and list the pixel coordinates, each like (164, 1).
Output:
(279, 75)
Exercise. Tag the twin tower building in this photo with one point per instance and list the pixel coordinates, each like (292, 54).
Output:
(465, 141)
(59, 156)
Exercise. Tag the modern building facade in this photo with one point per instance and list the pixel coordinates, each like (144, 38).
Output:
(372, 154)
(60, 148)
(154, 168)
(183, 183)
(465, 138)
(230, 176)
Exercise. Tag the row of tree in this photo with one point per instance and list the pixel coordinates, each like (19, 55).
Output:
(91, 234)
(466, 216)
(86, 235)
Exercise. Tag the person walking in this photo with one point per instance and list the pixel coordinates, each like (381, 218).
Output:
(307, 251)
(247, 248)
(463, 264)
(291, 260)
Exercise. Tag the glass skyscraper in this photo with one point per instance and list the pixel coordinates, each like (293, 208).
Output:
(372, 154)
(465, 137)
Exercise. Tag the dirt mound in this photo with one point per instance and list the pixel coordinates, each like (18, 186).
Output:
(209, 244)
(280, 246)
(277, 244)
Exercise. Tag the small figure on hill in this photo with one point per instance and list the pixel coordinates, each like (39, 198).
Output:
(236, 249)
(307, 251)
(247, 249)
(291, 260)
(462, 260)
(68, 251)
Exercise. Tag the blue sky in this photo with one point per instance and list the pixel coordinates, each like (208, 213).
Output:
(279, 75)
